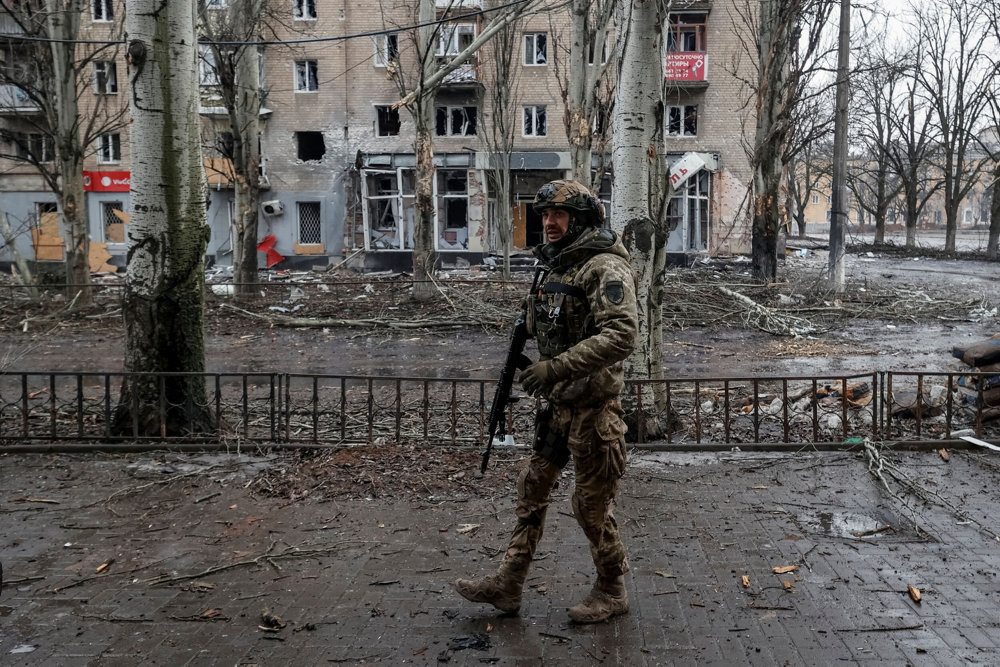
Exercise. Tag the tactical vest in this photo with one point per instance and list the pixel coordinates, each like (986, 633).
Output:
(559, 313)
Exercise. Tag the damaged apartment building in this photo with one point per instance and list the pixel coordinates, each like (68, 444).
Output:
(337, 152)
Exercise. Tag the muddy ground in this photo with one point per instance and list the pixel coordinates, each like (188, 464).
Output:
(899, 313)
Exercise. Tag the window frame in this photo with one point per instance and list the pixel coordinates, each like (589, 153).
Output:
(107, 8)
(112, 141)
(208, 73)
(299, 206)
(214, 5)
(683, 111)
(533, 38)
(678, 30)
(101, 69)
(299, 10)
(35, 147)
(452, 35)
(534, 120)
(105, 206)
(442, 198)
(450, 110)
(379, 130)
(386, 49)
(307, 64)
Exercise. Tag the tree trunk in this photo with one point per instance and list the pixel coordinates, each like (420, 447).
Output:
(165, 284)
(63, 23)
(769, 138)
(24, 276)
(424, 243)
(994, 238)
(911, 215)
(639, 198)
(244, 119)
(579, 86)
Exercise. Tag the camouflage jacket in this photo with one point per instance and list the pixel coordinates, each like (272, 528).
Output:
(584, 315)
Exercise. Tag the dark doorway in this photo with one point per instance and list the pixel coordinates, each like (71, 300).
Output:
(533, 227)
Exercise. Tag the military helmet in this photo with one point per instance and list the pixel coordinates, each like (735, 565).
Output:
(572, 196)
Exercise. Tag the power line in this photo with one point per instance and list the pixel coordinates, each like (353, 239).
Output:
(288, 42)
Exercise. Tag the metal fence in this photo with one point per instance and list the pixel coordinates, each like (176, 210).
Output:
(331, 410)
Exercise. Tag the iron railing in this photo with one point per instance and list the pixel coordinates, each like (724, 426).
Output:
(346, 409)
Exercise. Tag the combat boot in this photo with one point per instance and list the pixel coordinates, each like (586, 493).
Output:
(607, 598)
(502, 590)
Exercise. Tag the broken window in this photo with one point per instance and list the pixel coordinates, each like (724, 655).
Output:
(534, 121)
(682, 121)
(112, 213)
(386, 121)
(310, 227)
(306, 76)
(103, 10)
(105, 77)
(310, 145)
(390, 204)
(689, 211)
(109, 148)
(455, 121)
(454, 39)
(34, 147)
(536, 49)
(216, 4)
(386, 50)
(453, 209)
(304, 10)
(686, 33)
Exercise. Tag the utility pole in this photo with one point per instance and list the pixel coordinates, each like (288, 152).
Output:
(838, 214)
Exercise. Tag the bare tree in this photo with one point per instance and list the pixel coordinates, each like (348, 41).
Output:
(871, 177)
(910, 154)
(809, 155)
(642, 188)
(992, 145)
(585, 88)
(954, 78)
(498, 134)
(418, 89)
(168, 234)
(50, 74)
(783, 40)
(233, 69)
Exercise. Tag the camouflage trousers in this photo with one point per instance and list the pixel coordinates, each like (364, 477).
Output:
(596, 440)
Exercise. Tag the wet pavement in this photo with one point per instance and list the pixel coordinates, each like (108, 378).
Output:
(172, 559)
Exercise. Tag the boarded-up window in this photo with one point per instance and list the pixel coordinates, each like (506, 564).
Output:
(310, 228)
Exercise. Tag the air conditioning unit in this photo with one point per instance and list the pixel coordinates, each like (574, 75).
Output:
(273, 207)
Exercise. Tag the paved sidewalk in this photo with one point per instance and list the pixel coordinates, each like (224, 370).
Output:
(359, 580)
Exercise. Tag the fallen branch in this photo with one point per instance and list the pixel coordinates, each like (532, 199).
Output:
(266, 557)
(369, 323)
(767, 319)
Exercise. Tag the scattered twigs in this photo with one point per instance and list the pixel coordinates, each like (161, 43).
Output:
(368, 323)
(269, 557)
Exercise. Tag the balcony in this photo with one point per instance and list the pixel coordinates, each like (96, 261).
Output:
(459, 4)
(687, 70)
(13, 99)
(463, 75)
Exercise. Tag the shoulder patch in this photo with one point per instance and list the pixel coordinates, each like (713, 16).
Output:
(615, 291)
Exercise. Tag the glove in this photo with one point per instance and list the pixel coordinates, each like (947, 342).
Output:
(538, 379)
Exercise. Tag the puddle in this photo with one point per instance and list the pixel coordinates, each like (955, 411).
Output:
(855, 525)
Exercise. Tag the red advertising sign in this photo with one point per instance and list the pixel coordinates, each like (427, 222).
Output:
(106, 181)
(686, 66)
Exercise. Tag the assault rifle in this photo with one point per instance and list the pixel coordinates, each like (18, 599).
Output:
(516, 360)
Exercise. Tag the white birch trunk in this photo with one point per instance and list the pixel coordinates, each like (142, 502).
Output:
(63, 23)
(168, 234)
(640, 179)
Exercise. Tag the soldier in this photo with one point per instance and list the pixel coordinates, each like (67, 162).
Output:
(584, 320)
